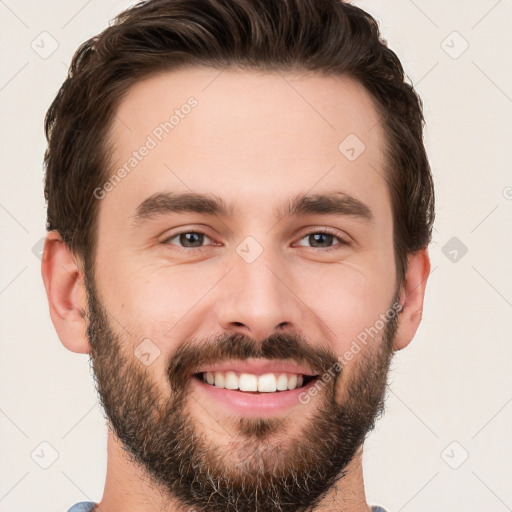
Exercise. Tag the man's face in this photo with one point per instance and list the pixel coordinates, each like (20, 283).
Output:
(214, 324)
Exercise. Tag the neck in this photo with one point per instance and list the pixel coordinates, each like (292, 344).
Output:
(129, 487)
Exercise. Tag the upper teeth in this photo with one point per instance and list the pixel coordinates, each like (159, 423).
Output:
(267, 383)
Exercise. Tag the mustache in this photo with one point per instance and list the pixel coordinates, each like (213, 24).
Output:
(288, 347)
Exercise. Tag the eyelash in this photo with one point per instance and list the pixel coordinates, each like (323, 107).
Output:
(342, 241)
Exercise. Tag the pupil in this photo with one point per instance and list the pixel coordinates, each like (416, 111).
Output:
(191, 239)
(320, 239)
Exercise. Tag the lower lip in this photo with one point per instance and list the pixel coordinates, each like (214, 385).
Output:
(255, 404)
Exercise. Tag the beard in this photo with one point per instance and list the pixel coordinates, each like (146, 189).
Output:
(261, 467)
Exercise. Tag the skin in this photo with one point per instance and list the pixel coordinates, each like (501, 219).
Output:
(255, 140)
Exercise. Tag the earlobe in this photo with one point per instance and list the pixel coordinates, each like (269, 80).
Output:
(411, 298)
(65, 289)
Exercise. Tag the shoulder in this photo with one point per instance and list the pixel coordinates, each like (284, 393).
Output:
(85, 506)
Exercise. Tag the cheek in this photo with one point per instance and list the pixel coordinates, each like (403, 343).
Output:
(157, 307)
(156, 295)
(348, 299)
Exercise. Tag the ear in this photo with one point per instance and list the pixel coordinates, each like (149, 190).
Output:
(411, 298)
(65, 289)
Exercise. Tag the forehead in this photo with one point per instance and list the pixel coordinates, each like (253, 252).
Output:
(245, 135)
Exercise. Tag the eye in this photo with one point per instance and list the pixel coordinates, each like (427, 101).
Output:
(188, 239)
(322, 240)
(319, 239)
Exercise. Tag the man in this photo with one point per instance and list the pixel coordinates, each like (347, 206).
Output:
(239, 210)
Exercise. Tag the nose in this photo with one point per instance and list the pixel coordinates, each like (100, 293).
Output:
(257, 300)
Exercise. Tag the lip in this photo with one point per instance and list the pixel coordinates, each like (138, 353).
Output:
(256, 367)
(253, 404)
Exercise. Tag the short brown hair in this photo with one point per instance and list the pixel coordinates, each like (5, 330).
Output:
(330, 37)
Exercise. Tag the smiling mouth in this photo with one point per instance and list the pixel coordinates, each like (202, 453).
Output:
(251, 383)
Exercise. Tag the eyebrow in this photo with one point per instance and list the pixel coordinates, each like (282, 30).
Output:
(338, 203)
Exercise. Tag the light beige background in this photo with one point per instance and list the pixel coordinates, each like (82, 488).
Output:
(451, 390)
